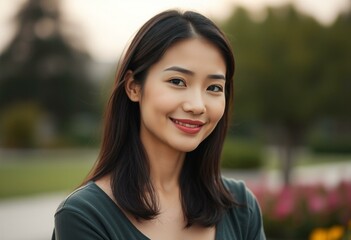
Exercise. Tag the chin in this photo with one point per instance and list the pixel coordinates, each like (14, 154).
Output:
(187, 148)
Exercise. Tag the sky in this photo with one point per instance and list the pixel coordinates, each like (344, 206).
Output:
(105, 27)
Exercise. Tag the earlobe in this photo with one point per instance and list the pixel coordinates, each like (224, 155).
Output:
(131, 87)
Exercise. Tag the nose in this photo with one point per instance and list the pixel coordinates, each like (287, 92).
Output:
(195, 104)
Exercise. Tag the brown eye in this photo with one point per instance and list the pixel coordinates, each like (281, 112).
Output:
(177, 82)
(215, 88)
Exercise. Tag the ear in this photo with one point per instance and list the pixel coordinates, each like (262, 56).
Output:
(132, 88)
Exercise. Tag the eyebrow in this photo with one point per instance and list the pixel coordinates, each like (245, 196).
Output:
(191, 73)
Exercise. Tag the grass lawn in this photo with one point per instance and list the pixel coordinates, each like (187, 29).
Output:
(25, 173)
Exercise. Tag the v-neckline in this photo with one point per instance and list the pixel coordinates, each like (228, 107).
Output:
(131, 225)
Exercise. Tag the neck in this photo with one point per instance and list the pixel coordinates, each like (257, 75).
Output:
(165, 167)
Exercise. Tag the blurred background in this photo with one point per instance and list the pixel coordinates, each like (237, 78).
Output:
(290, 137)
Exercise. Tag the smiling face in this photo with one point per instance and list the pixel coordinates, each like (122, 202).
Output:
(183, 97)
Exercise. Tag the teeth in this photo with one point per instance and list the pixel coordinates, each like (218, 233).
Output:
(186, 124)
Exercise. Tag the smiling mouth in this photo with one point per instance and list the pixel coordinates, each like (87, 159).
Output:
(188, 126)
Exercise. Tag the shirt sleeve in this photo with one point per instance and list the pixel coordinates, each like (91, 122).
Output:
(71, 225)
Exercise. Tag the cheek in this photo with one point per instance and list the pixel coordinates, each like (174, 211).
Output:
(216, 113)
(217, 110)
(156, 100)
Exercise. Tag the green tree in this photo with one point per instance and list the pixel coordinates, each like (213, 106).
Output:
(289, 74)
(40, 65)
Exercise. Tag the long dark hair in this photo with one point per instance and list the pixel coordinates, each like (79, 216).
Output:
(122, 155)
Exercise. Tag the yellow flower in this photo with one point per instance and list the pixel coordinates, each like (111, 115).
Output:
(335, 233)
(319, 234)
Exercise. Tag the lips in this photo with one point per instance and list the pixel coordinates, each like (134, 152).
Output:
(187, 125)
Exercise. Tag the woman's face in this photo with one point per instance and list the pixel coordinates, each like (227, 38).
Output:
(183, 97)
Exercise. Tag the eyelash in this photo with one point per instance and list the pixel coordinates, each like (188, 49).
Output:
(177, 81)
(220, 88)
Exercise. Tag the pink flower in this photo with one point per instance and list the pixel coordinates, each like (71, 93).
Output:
(316, 203)
(285, 204)
(333, 199)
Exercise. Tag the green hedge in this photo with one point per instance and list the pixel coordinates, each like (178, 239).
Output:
(323, 142)
(18, 125)
(241, 154)
(333, 144)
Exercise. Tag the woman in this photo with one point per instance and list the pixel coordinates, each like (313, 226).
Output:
(158, 175)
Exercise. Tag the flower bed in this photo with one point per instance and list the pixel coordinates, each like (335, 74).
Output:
(306, 212)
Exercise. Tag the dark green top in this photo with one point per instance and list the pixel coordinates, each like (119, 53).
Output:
(89, 214)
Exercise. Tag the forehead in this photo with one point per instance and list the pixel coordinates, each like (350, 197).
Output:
(196, 54)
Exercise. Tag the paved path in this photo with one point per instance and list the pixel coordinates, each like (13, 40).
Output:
(32, 218)
(28, 218)
(326, 174)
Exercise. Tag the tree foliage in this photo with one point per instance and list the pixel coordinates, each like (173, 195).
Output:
(291, 72)
(40, 65)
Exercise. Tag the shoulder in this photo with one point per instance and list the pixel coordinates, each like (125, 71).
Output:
(83, 197)
(83, 215)
(245, 217)
(239, 191)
